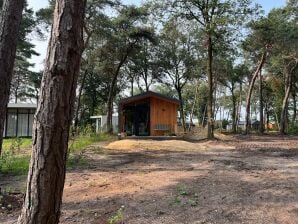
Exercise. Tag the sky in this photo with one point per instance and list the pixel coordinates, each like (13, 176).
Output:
(41, 46)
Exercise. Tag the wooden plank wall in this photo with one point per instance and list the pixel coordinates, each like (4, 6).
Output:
(162, 112)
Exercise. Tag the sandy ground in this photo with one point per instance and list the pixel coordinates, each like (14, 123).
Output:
(241, 180)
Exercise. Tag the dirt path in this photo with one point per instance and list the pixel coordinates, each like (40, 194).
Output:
(245, 181)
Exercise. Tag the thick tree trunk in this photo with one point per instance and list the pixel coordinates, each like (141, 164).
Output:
(261, 127)
(54, 115)
(210, 123)
(251, 85)
(10, 20)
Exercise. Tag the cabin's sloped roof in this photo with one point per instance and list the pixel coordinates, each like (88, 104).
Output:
(146, 95)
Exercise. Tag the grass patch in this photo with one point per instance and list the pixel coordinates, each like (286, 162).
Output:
(15, 165)
(81, 142)
(184, 197)
(15, 161)
(23, 143)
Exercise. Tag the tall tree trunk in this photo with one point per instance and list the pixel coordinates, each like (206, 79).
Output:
(112, 94)
(110, 105)
(131, 86)
(10, 21)
(182, 115)
(284, 109)
(193, 106)
(288, 85)
(267, 117)
(251, 85)
(294, 108)
(261, 127)
(204, 116)
(54, 115)
(78, 106)
(239, 107)
(210, 123)
(234, 115)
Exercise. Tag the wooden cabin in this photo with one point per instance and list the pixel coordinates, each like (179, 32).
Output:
(148, 114)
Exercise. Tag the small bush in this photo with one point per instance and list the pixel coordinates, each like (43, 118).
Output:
(118, 217)
(293, 130)
(14, 164)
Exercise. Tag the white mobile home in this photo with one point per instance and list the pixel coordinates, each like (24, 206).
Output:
(101, 123)
(19, 120)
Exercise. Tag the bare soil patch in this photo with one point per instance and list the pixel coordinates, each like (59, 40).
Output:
(242, 180)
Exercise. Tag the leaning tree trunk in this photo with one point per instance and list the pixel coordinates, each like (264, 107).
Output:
(54, 115)
(251, 85)
(261, 127)
(10, 20)
(112, 95)
(288, 85)
(210, 123)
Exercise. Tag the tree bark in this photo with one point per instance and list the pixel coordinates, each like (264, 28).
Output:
(210, 123)
(54, 115)
(284, 110)
(251, 85)
(112, 93)
(294, 108)
(239, 106)
(288, 85)
(76, 120)
(182, 115)
(261, 127)
(193, 107)
(110, 105)
(234, 113)
(10, 21)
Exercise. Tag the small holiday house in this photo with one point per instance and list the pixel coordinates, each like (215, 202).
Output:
(148, 114)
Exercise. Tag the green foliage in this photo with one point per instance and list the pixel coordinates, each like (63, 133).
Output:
(225, 124)
(182, 190)
(11, 160)
(15, 159)
(81, 142)
(293, 130)
(16, 143)
(14, 164)
(184, 197)
(118, 217)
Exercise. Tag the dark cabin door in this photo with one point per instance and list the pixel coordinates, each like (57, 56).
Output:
(142, 119)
